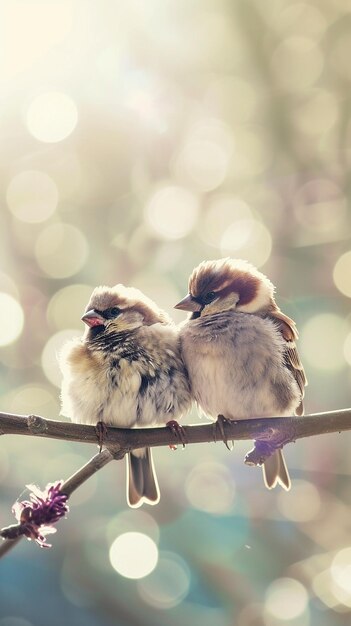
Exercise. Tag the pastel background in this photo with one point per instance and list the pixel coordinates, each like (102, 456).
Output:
(138, 138)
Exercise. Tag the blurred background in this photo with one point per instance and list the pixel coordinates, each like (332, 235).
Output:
(137, 139)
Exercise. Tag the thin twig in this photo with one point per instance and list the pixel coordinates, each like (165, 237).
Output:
(7, 544)
(69, 486)
(94, 465)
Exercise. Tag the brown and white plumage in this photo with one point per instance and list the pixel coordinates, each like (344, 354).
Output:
(239, 349)
(126, 371)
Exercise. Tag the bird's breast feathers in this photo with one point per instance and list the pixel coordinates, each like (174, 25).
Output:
(138, 382)
(236, 366)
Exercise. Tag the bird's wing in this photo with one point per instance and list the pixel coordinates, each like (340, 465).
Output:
(288, 329)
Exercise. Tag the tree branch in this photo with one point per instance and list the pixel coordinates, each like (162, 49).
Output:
(268, 433)
(275, 431)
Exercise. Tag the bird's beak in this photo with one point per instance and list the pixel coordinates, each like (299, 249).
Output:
(93, 318)
(188, 304)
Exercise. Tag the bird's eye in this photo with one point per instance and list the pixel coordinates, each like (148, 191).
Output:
(112, 312)
(209, 297)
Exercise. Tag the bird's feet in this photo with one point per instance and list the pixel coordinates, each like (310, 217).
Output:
(101, 432)
(178, 431)
(219, 425)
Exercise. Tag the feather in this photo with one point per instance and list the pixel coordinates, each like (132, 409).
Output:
(289, 332)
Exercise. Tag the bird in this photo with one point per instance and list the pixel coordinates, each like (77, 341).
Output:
(240, 351)
(126, 371)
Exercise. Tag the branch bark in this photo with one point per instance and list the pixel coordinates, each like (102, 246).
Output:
(276, 431)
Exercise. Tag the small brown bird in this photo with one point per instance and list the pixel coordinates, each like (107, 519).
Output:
(239, 350)
(126, 371)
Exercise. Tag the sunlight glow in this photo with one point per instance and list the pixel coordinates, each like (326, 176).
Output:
(67, 305)
(323, 586)
(11, 319)
(341, 574)
(172, 212)
(297, 62)
(50, 354)
(32, 196)
(61, 250)
(249, 239)
(320, 206)
(290, 504)
(322, 340)
(168, 584)
(210, 487)
(51, 117)
(286, 599)
(32, 30)
(33, 398)
(136, 520)
(342, 274)
(133, 555)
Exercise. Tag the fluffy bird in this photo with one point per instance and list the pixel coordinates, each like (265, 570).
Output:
(239, 350)
(126, 371)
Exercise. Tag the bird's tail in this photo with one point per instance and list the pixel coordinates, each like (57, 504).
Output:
(142, 485)
(275, 471)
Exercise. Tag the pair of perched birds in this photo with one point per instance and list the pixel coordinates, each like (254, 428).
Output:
(235, 356)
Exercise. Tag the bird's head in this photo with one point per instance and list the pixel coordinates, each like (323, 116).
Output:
(225, 284)
(120, 309)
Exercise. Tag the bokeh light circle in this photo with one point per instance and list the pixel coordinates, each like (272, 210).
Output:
(67, 305)
(51, 352)
(249, 239)
(300, 17)
(11, 319)
(224, 211)
(168, 584)
(205, 153)
(342, 274)
(136, 520)
(204, 163)
(252, 152)
(324, 587)
(322, 340)
(297, 62)
(339, 54)
(341, 574)
(317, 114)
(210, 487)
(8, 285)
(76, 594)
(51, 117)
(303, 504)
(61, 250)
(233, 96)
(32, 196)
(172, 212)
(33, 398)
(286, 599)
(133, 555)
(320, 206)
